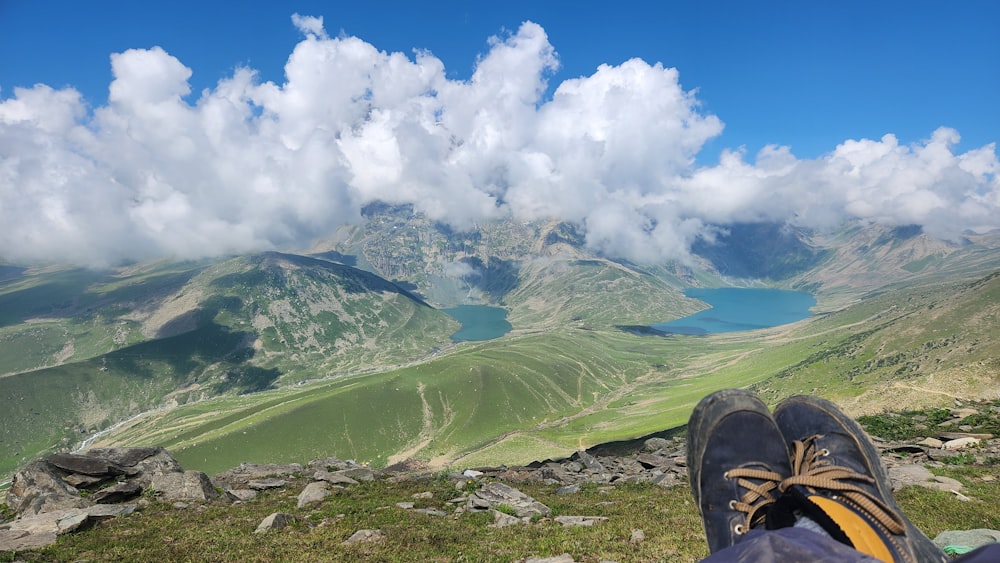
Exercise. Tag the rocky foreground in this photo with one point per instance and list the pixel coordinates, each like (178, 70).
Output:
(65, 492)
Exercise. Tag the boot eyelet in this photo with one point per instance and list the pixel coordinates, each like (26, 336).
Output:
(732, 505)
(725, 475)
(824, 452)
(739, 529)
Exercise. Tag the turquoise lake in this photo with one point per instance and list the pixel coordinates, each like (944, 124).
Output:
(738, 308)
(479, 322)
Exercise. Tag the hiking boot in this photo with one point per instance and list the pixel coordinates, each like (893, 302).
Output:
(736, 458)
(839, 482)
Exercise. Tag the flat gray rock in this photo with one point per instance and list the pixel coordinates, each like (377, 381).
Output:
(334, 478)
(580, 520)
(241, 495)
(495, 494)
(19, 540)
(190, 485)
(274, 521)
(364, 536)
(313, 493)
(264, 484)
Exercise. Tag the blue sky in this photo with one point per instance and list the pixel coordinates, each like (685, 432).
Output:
(804, 74)
(808, 112)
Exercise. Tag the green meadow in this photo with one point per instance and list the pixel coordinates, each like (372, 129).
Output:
(538, 395)
(283, 358)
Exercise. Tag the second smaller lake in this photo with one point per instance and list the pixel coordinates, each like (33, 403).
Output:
(739, 308)
(479, 322)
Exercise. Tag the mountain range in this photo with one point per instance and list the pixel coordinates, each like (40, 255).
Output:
(219, 359)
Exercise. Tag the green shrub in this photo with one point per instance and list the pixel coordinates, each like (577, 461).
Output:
(960, 459)
(889, 427)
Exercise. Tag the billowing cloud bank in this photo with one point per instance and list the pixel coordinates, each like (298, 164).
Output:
(252, 165)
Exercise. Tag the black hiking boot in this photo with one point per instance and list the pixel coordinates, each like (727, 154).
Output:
(736, 458)
(839, 482)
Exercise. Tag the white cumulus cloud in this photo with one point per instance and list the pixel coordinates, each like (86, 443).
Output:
(251, 165)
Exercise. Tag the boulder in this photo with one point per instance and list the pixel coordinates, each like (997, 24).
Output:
(241, 495)
(140, 463)
(120, 492)
(916, 474)
(40, 530)
(274, 521)
(588, 461)
(357, 473)
(246, 472)
(19, 540)
(45, 495)
(502, 520)
(331, 464)
(956, 435)
(568, 489)
(650, 461)
(39, 487)
(930, 443)
(962, 541)
(313, 493)
(189, 485)
(85, 465)
(655, 444)
(493, 495)
(333, 478)
(265, 484)
(960, 443)
(53, 483)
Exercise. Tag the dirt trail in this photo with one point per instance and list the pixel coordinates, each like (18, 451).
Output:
(426, 430)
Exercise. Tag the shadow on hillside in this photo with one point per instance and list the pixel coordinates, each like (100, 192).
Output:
(496, 279)
(57, 295)
(195, 345)
(334, 256)
(643, 330)
(628, 447)
(759, 250)
(270, 271)
(70, 293)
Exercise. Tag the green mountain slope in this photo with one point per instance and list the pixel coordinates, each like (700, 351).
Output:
(237, 326)
(315, 318)
(547, 393)
(54, 316)
(864, 258)
(593, 292)
(437, 410)
(918, 345)
(899, 314)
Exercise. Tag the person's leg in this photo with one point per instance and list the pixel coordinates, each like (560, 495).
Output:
(839, 483)
(789, 545)
(736, 458)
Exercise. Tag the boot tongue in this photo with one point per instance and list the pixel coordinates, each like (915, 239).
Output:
(838, 519)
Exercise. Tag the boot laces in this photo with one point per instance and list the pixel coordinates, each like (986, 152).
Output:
(812, 470)
(759, 485)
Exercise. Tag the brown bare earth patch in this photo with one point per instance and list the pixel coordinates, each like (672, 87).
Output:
(170, 309)
(938, 389)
